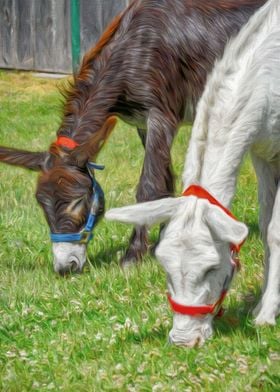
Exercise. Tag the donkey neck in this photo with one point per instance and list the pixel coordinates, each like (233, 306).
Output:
(220, 168)
(221, 136)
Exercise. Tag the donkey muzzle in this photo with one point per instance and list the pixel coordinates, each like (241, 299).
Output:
(68, 257)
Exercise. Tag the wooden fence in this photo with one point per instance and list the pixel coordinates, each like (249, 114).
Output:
(36, 34)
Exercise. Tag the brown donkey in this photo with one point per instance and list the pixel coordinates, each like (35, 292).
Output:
(147, 68)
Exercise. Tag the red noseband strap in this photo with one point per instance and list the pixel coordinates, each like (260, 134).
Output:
(214, 309)
(67, 142)
(200, 310)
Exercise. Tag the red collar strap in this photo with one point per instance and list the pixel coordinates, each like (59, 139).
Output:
(201, 193)
(64, 141)
(216, 308)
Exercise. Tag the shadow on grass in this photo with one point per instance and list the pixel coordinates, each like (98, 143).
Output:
(106, 256)
(239, 317)
(253, 228)
(113, 253)
(145, 336)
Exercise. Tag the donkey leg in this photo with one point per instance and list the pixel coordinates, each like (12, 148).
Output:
(270, 303)
(156, 179)
(143, 136)
(267, 188)
(139, 236)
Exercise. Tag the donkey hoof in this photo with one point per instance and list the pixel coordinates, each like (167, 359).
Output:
(128, 262)
(267, 316)
(257, 309)
(130, 259)
(264, 319)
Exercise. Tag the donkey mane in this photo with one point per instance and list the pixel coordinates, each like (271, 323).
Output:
(92, 53)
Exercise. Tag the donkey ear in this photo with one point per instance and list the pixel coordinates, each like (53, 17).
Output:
(226, 228)
(26, 159)
(88, 151)
(148, 213)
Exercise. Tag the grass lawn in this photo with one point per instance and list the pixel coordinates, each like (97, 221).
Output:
(103, 330)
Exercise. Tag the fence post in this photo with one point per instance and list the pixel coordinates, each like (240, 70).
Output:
(75, 34)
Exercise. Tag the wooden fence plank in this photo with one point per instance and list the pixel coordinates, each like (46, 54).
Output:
(6, 33)
(95, 15)
(23, 34)
(52, 36)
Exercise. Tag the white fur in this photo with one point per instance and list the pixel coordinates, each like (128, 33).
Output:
(68, 257)
(238, 112)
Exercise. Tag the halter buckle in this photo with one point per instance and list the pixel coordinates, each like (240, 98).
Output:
(85, 237)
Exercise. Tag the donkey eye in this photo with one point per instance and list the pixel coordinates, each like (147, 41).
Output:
(75, 204)
(78, 203)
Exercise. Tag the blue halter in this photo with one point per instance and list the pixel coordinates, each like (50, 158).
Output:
(85, 235)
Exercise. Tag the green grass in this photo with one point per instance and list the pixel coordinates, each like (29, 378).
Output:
(103, 330)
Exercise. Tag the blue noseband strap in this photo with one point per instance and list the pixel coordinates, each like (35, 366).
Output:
(85, 235)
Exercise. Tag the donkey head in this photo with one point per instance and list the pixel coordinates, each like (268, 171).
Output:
(70, 197)
(66, 193)
(194, 251)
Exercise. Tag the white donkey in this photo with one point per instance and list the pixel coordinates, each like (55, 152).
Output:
(239, 111)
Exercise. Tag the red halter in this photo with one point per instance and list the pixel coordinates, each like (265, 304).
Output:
(215, 309)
